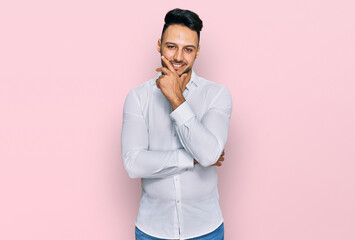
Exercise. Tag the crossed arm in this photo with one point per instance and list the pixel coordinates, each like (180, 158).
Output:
(203, 141)
(141, 162)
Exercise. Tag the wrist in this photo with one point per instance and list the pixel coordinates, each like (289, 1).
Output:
(176, 102)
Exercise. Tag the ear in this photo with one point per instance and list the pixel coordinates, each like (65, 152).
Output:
(159, 45)
(198, 51)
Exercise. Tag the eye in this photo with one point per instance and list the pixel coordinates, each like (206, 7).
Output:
(188, 50)
(171, 46)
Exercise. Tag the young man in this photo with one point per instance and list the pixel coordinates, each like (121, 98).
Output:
(175, 127)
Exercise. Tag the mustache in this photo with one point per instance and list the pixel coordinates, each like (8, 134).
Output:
(172, 62)
(176, 62)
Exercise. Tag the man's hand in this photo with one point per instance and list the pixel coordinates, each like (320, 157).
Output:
(219, 161)
(170, 83)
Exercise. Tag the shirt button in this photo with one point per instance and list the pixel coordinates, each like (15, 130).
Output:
(174, 134)
(178, 201)
(176, 179)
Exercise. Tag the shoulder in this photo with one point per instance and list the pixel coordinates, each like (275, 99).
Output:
(138, 97)
(142, 91)
(213, 90)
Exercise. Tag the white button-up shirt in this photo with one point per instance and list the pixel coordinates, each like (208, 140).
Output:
(179, 199)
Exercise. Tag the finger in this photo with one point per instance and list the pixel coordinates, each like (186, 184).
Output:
(168, 64)
(218, 164)
(157, 82)
(222, 153)
(221, 159)
(164, 70)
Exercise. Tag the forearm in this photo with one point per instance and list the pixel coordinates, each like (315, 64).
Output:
(142, 163)
(204, 139)
(204, 146)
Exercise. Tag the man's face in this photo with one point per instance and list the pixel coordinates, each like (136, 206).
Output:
(180, 46)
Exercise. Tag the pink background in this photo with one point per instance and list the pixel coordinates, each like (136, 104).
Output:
(66, 67)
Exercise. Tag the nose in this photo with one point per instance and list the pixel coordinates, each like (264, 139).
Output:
(178, 55)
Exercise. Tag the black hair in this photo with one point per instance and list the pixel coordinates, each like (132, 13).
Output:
(185, 18)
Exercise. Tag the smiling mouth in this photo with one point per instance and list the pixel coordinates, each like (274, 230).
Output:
(178, 66)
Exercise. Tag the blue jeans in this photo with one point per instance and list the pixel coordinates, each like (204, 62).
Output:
(217, 234)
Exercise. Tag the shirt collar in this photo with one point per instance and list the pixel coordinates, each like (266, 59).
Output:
(193, 80)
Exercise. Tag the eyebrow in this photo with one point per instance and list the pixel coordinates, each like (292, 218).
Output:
(192, 46)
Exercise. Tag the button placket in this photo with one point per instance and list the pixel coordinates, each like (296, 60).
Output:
(178, 201)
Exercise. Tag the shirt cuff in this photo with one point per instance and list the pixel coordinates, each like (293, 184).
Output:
(182, 113)
(185, 160)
